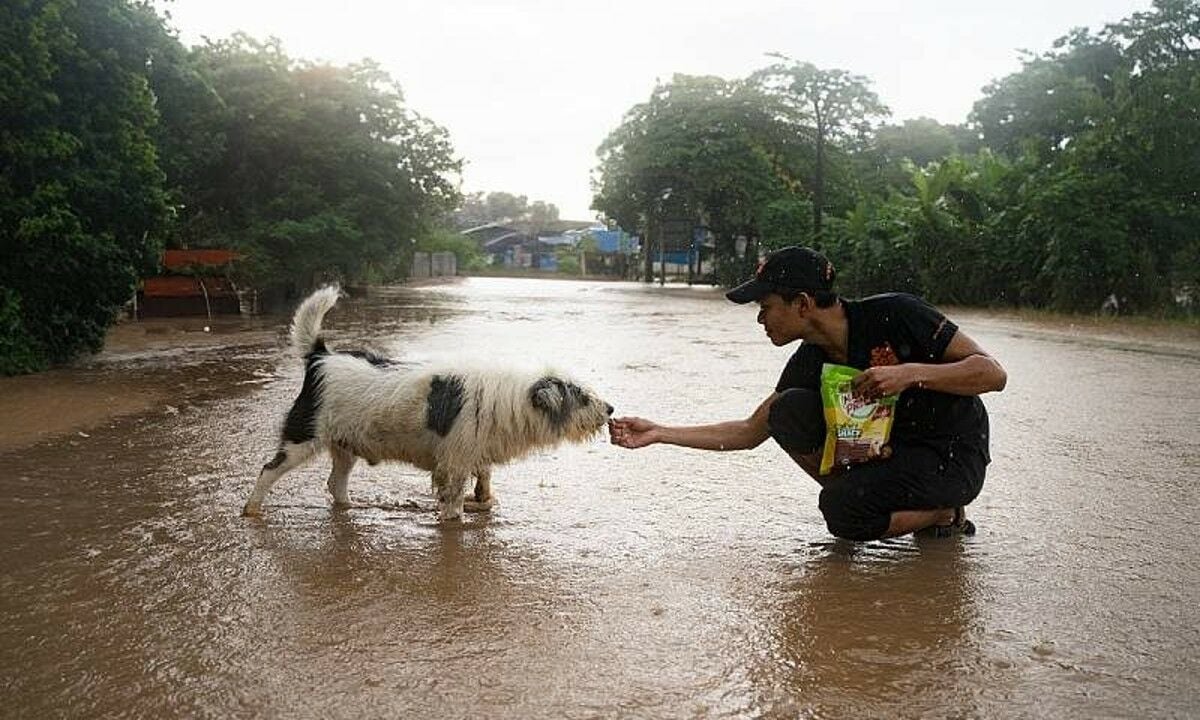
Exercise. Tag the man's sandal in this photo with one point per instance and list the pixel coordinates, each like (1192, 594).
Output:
(960, 525)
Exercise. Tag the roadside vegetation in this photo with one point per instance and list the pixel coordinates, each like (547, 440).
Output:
(1073, 182)
(1073, 186)
(118, 141)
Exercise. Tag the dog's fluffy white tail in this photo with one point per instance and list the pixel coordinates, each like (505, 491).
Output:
(306, 324)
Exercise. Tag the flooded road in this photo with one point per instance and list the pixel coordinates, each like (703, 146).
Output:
(659, 583)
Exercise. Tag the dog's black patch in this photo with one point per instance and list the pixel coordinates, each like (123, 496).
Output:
(374, 358)
(444, 404)
(478, 407)
(300, 425)
(551, 396)
(578, 395)
(276, 461)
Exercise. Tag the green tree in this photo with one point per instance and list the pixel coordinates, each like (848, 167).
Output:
(481, 208)
(82, 204)
(932, 239)
(1155, 141)
(786, 220)
(920, 142)
(1108, 131)
(699, 150)
(829, 106)
(542, 215)
(1052, 99)
(189, 136)
(506, 206)
(942, 230)
(866, 248)
(323, 170)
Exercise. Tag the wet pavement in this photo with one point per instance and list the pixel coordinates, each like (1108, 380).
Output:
(657, 583)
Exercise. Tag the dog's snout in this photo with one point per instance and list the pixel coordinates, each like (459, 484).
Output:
(609, 409)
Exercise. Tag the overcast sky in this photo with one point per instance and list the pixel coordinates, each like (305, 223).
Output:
(529, 88)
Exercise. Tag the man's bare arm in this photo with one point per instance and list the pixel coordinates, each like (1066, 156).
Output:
(967, 370)
(635, 432)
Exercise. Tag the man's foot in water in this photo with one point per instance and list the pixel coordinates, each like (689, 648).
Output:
(958, 525)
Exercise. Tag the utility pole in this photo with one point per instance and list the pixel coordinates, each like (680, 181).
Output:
(647, 252)
(662, 259)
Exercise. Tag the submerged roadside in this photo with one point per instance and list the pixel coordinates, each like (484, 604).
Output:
(146, 367)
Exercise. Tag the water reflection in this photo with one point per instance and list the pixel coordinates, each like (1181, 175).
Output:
(863, 625)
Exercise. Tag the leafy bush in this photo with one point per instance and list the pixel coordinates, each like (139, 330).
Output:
(82, 205)
(19, 351)
(568, 264)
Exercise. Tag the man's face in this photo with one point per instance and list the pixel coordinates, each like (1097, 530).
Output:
(783, 321)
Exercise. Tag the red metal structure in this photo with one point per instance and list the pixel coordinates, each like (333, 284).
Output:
(194, 282)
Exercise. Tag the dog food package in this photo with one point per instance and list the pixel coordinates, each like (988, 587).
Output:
(855, 430)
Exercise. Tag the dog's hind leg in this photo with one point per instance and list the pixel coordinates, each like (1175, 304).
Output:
(339, 476)
(483, 500)
(450, 490)
(289, 457)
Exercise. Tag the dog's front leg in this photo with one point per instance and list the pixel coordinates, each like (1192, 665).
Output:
(339, 476)
(450, 489)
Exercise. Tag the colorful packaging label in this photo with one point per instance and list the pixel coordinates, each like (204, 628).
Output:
(855, 430)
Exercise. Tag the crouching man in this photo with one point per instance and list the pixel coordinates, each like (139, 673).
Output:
(903, 345)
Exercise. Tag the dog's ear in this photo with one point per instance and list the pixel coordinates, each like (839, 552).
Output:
(547, 395)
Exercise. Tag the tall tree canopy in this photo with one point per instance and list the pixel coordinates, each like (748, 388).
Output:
(116, 140)
(831, 106)
(883, 162)
(313, 169)
(1076, 179)
(482, 208)
(82, 201)
(1108, 128)
(700, 148)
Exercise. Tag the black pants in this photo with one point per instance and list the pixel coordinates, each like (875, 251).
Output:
(858, 503)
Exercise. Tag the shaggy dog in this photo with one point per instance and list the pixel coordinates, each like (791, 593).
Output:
(454, 423)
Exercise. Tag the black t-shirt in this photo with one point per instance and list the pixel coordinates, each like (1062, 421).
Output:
(901, 328)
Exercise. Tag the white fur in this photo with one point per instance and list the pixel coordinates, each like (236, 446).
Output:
(306, 325)
(381, 413)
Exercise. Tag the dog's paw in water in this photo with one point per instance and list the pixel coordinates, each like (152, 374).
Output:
(478, 506)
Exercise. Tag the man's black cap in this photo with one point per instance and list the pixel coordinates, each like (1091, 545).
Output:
(792, 268)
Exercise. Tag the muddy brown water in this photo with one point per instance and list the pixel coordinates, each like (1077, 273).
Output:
(658, 583)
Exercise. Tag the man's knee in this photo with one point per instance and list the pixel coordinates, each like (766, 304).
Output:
(797, 420)
(847, 513)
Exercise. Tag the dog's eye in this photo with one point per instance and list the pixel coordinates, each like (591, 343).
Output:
(579, 394)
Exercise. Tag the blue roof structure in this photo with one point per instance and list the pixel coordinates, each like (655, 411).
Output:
(612, 241)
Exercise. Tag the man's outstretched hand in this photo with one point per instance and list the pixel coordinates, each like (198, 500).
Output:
(631, 432)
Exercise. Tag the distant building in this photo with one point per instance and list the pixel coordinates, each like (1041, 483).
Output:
(517, 245)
